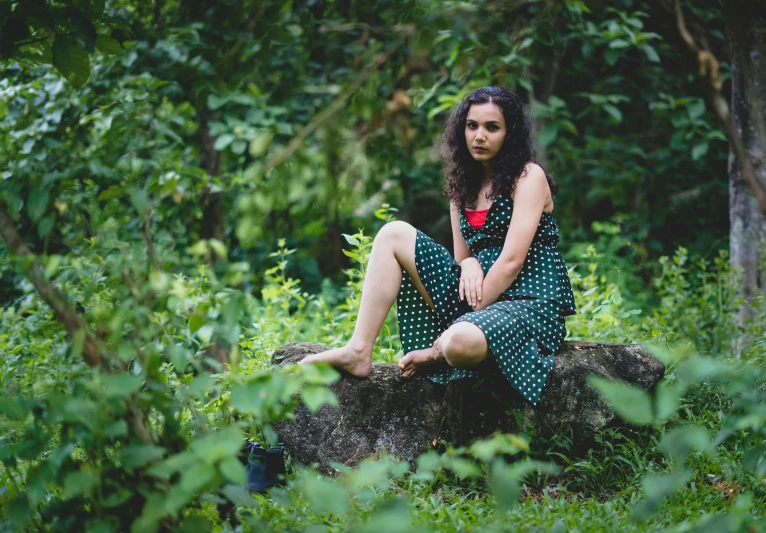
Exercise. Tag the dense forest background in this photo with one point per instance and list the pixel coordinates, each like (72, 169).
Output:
(186, 185)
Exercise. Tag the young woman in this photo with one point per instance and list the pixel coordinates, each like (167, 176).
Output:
(502, 299)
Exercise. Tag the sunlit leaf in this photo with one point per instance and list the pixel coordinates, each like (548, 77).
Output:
(315, 396)
(631, 403)
(80, 482)
(136, 456)
(119, 385)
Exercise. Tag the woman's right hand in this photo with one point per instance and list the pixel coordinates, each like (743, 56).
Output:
(471, 279)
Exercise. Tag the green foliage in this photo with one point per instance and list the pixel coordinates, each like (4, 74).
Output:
(185, 173)
(697, 302)
(600, 306)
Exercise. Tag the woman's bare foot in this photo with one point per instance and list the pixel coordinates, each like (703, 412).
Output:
(418, 359)
(355, 362)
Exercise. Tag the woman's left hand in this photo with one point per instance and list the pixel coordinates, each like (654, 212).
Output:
(471, 280)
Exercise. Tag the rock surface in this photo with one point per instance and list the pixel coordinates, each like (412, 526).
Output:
(405, 416)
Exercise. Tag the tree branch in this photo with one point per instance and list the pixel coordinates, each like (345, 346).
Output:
(283, 155)
(708, 68)
(46, 289)
(64, 313)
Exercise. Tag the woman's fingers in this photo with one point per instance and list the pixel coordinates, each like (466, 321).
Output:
(479, 283)
(462, 290)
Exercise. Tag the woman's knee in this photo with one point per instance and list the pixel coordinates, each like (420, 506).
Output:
(397, 230)
(463, 344)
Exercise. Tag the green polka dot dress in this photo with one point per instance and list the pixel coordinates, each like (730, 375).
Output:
(524, 327)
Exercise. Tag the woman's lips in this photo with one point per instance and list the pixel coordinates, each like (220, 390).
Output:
(479, 149)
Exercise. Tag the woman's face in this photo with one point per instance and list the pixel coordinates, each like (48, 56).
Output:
(484, 131)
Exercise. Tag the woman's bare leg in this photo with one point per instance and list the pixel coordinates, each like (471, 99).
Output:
(462, 345)
(392, 250)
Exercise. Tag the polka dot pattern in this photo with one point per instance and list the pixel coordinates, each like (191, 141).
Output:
(524, 327)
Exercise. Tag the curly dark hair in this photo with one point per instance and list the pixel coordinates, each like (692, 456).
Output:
(463, 174)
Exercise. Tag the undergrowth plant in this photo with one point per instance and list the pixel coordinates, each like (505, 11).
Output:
(75, 457)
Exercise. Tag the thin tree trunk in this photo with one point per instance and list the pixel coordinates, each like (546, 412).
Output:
(746, 34)
(212, 202)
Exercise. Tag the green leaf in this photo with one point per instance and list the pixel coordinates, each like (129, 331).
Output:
(548, 134)
(195, 524)
(615, 113)
(212, 446)
(135, 456)
(315, 396)
(139, 200)
(78, 343)
(505, 479)
(109, 45)
(111, 192)
(668, 399)
(463, 468)
(697, 109)
(632, 404)
(680, 441)
(325, 495)
(696, 368)
(429, 461)
(498, 445)
(173, 464)
(619, 43)
(12, 409)
(261, 143)
(201, 384)
(45, 226)
(17, 510)
(611, 56)
(392, 516)
(239, 146)
(233, 470)
(261, 396)
(195, 322)
(197, 477)
(651, 53)
(700, 150)
(238, 495)
(80, 482)
(753, 460)
(353, 241)
(215, 102)
(222, 141)
(319, 374)
(658, 486)
(52, 265)
(71, 60)
(120, 385)
(37, 203)
(218, 247)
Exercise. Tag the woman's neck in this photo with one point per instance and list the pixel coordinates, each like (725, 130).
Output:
(487, 173)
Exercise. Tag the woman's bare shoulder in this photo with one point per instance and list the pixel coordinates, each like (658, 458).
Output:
(533, 171)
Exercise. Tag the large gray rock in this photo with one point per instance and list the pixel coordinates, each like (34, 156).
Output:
(406, 416)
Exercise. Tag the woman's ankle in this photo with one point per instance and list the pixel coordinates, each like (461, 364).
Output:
(359, 347)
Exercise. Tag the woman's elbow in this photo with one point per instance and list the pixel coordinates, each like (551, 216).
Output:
(512, 267)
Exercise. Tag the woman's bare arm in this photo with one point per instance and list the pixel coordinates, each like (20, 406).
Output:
(531, 194)
(461, 248)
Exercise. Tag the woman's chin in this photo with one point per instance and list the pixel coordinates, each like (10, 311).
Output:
(481, 157)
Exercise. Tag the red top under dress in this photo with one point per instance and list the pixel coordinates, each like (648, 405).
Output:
(476, 218)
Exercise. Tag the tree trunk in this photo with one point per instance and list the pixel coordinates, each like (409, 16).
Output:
(746, 34)
(212, 202)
